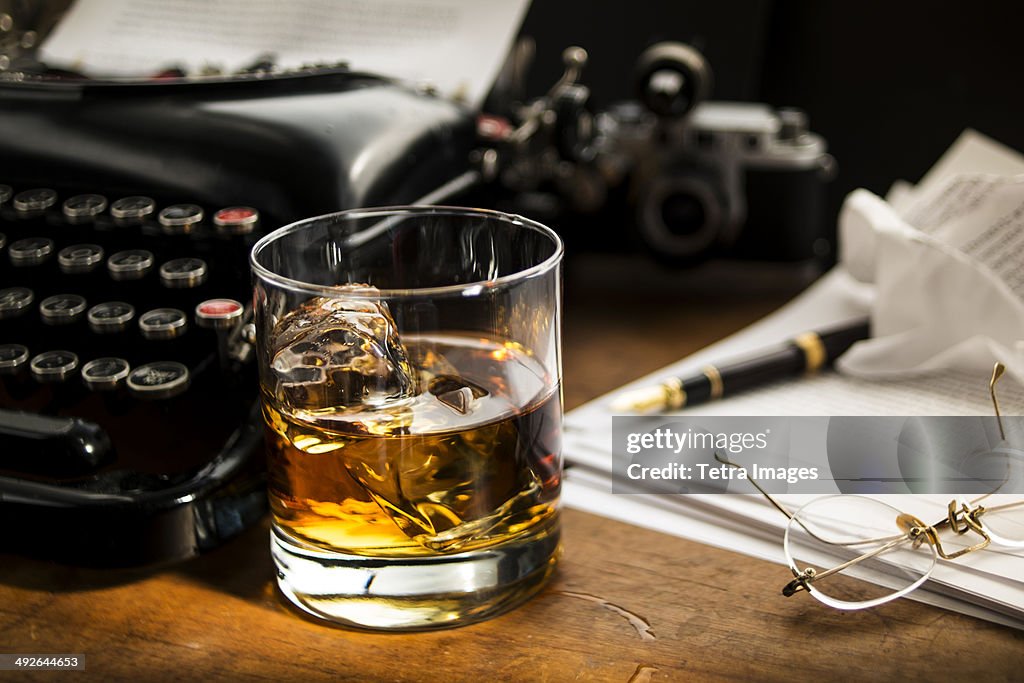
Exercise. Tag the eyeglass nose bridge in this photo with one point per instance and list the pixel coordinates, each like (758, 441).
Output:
(959, 519)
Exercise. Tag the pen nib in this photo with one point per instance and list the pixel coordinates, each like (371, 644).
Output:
(646, 400)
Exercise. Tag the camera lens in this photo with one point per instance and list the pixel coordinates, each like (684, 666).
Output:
(681, 218)
(683, 214)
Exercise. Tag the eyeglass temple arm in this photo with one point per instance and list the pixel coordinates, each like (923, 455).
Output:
(997, 371)
(778, 506)
(789, 515)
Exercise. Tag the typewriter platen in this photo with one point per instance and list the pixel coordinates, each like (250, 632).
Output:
(129, 426)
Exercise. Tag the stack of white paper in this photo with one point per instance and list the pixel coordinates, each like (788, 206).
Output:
(988, 584)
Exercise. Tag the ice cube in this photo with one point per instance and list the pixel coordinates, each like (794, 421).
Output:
(458, 393)
(340, 352)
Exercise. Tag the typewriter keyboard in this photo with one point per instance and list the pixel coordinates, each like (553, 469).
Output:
(123, 332)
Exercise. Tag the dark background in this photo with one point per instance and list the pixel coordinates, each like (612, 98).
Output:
(889, 85)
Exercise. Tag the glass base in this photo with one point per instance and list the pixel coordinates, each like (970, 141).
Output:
(413, 593)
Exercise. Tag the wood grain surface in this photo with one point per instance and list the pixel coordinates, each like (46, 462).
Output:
(626, 604)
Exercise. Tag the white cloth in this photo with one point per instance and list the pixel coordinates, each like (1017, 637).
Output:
(948, 269)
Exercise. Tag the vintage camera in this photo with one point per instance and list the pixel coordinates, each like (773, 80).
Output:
(692, 178)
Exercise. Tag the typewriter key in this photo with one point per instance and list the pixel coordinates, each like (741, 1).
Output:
(160, 380)
(53, 366)
(218, 314)
(222, 317)
(183, 273)
(14, 375)
(180, 219)
(110, 317)
(3, 240)
(62, 309)
(13, 359)
(33, 201)
(30, 251)
(163, 323)
(132, 209)
(105, 374)
(14, 301)
(131, 264)
(80, 258)
(236, 220)
(5, 194)
(84, 207)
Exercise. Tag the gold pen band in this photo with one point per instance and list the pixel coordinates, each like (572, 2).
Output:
(715, 379)
(814, 350)
(675, 395)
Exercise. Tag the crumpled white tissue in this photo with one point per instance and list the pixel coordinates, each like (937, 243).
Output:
(949, 290)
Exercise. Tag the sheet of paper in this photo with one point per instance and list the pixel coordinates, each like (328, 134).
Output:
(456, 45)
(972, 152)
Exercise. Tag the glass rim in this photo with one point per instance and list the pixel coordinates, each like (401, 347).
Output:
(535, 270)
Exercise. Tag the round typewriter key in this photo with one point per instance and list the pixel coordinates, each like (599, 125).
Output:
(30, 251)
(163, 379)
(105, 374)
(39, 199)
(62, 309)
(110, 317)
(180, 219)
(183, 273)
(131, 264)
(163, 323)
(14, 301)
(236, 220)
(5, 193)
(3, 240)
(80, 258)
(218, 314)
(132, 208)
(13, 358)
(84, 206)
(53, 366)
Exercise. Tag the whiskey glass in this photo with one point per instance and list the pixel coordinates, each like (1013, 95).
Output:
(410, 373)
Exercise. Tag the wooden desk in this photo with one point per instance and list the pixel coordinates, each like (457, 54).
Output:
(626, 604)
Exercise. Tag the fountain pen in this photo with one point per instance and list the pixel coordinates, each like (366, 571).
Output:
(805, 353)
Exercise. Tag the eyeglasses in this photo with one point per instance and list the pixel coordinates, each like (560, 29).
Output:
(852, 552)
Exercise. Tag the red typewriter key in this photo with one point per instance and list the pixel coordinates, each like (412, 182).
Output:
(236, 220)
(218, 314)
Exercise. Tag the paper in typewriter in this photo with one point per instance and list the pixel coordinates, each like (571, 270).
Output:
(456, 45)
(988, 584)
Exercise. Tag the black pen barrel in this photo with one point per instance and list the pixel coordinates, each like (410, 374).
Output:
(837, 341)
(744, 374)
(804, 354)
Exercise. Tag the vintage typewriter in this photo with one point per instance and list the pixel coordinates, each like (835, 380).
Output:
(129, 425)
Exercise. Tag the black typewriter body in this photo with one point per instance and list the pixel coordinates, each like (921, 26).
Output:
(130, 431)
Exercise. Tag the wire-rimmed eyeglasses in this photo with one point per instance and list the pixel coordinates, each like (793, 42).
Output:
(854, 552)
